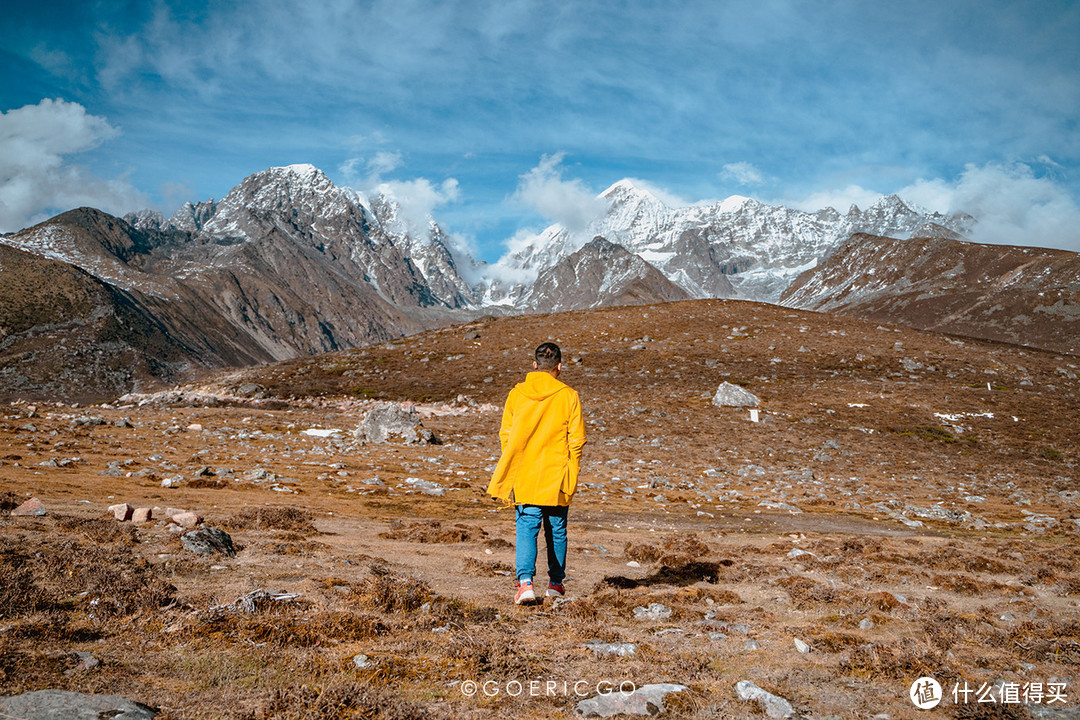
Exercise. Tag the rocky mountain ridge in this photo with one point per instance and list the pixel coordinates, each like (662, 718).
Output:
(285, 265)
(288, 264)
(736, 248)
(1022, 295)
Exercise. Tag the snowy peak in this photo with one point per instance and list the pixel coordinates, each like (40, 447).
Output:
(738, 247)
(601, 273)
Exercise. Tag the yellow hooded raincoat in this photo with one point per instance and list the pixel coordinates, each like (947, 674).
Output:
(542, 434)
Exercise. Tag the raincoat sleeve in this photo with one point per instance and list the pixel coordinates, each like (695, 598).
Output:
(575, 438)
(501, 485)
(507, 421)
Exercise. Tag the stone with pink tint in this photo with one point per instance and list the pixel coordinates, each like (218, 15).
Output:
(186, 519)
(31, 508)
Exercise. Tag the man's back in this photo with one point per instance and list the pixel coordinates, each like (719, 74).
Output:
(542, 434)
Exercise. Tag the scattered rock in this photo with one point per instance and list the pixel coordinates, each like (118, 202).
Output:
(655, 611)
(866, 624)
(383, 423)
(141, 515)
(801, 646)
(250, 603)
(774, 706)
(86, 661)
(751, 645)
(800, 553)
(1037, 523)
(361, 661)
(122, 511)
(645, 700)
(52, 704)
(773, 505)
(610, 648)
(425, 486)
(729, 395)
(31, 508)
(250, 390)
(186, 519)
(208, 540)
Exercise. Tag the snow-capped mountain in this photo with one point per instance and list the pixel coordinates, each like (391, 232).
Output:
(301, 203)
(599, 274)
(738, 247)
(286, 264)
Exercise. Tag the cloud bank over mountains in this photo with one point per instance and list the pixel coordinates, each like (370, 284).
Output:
(40, 175)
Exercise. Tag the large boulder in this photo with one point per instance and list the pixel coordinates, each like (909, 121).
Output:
(730, 395)
(65, 705)
(389, 421)
(646, 700)
(207, 541)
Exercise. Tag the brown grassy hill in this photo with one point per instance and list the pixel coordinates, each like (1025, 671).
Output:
(1023, 295)
(66, 334)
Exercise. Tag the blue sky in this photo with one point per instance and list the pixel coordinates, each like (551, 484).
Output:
(955, 104)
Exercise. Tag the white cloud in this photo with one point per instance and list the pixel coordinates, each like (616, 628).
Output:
(418, 199)
(1013, 206)
(566, 202)
(743, 173)
(384, 162)
(36, 180)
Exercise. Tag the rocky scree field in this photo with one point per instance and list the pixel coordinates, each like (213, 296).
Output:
(906, 505)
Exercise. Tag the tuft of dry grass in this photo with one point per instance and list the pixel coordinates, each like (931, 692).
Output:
(285, 627)
(383, 591)
(110, 580)
(339, 699)
(485, 568)
(964, 584)
(9, 501)
(806, 593)
(432, 531)
(271, 518)
(677, 549)
(906, 658)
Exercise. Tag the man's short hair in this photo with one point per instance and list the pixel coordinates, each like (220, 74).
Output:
(548, 356)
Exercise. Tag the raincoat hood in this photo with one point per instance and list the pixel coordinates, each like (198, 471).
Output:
(540, 385)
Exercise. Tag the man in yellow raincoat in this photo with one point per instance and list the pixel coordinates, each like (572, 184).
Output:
(542, 434)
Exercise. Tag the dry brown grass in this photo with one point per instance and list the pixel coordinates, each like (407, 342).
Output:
(9, 501)
(905, 658)
(677, 549)
(808, 593)
(384, 591)
(271, 518)
(107, 580)
(284, 627)
(432, 531)
(964, 584)
(346, 700)
(485, 568)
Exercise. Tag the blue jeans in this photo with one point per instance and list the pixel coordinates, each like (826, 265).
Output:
(529, 519)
